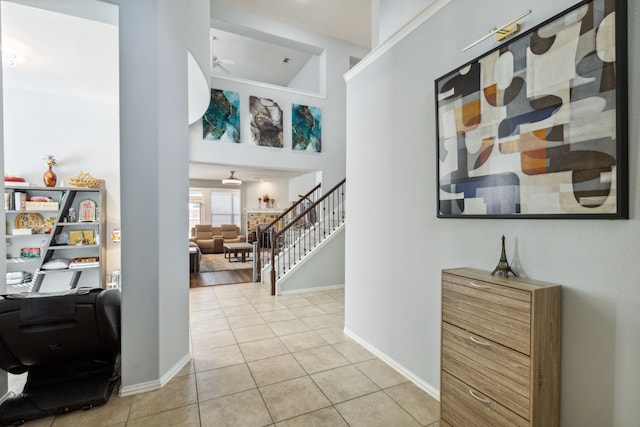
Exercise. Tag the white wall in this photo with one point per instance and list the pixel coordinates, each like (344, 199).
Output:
(394, 14)
(80, 128)
(301, 185)
(277, 190)
(308, 79)
(3, 231)
(81, 133)
(393, 296)
(326, 270)
(155, 36)
(331, 160)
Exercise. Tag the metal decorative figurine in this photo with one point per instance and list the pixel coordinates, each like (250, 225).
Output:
(503, 266)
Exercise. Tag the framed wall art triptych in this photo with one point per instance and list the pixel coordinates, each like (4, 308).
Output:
(537, 128)
(221, 122)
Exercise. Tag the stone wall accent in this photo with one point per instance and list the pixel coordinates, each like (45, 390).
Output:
(261, 217)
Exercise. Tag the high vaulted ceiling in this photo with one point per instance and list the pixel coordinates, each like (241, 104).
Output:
(348, 20)
(269, 58)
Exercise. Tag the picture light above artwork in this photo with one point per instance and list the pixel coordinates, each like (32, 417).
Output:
(537, 127)
(502, 32)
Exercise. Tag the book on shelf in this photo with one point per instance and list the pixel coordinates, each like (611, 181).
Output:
(21, 232)
(17, 184)
(20, 200)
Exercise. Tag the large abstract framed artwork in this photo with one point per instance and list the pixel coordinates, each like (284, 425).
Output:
(537, 128)
(266, 122)
(221, 121)
(306, 128)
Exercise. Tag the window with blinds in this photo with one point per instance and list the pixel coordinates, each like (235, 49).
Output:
(225, 207)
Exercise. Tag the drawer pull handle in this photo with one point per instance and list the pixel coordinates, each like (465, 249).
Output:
(477, 341)
(475, 285)
(475, 396)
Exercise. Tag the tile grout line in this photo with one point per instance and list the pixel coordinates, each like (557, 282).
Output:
(254, 299)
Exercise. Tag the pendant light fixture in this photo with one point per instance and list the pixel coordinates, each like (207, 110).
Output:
(232, 180)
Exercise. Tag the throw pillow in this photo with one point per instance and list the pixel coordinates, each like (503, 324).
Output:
(56, 264)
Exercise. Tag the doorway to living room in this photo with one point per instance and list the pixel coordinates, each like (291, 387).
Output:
(215, 210)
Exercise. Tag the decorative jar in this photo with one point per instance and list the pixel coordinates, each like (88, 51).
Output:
(50, 178)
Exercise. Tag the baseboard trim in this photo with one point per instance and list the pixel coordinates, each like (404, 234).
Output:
(155, 384)
(426, 387)
(316, 289)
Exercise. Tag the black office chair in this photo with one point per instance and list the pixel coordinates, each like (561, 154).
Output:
(69, 345)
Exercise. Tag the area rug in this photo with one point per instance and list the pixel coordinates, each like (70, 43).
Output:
(217, 262)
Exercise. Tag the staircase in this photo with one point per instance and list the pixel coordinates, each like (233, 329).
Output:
(307, 224)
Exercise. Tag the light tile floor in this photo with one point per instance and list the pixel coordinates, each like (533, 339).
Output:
(260, 360)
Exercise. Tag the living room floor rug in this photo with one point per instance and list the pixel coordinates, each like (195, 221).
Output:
(217, 262)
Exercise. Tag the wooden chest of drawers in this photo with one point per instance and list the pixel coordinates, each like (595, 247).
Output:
(500, 355)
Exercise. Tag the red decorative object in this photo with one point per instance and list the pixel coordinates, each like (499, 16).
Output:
(50, 178)
(13, 179)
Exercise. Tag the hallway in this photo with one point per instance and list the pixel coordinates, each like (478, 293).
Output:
(260, 360)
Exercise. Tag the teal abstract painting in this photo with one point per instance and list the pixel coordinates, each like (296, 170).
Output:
(221, 121)
(306, 128)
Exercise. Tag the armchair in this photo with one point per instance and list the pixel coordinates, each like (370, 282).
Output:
(230, 233)
(211, 239)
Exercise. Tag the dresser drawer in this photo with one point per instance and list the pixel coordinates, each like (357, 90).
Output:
(500, 350)
(492, 287)
(498, 313)
(461, 405)
(496, 371)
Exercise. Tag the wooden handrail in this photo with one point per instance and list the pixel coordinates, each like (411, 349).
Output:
(292, 207)
(309, 209)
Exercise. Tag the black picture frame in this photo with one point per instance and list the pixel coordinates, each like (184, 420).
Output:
(537, 127)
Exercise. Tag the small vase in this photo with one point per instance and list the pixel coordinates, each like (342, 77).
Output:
(50, 178)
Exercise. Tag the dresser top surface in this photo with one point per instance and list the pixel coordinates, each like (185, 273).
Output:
(486, 276)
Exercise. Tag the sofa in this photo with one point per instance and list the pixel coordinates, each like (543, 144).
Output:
(211, 239)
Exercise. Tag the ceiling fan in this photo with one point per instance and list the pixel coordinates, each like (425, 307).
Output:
(219, 63)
